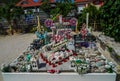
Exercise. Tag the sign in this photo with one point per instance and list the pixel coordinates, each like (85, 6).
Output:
(73, 21)
(48, 22)
(66, 23)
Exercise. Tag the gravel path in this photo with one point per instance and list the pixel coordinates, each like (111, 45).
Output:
(12, 46)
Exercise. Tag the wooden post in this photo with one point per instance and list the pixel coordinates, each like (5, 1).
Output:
(76, 27)
(87, 19)
(38, 27)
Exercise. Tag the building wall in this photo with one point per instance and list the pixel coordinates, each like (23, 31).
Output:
(80, 8)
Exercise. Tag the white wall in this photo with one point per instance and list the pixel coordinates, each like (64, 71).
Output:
(80, 8)
(58, 77)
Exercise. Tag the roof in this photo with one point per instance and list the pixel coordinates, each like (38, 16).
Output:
(29, 3)
(78, 1)
(34, 3)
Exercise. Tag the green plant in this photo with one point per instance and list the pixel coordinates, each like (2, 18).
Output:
(6, 68)
(9, 12)
(93, 15)
(62, 7)
(110, 49)
(110, 18)
(110, 70)
(33, 29)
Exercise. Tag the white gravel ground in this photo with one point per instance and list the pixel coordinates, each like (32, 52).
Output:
(12, 46)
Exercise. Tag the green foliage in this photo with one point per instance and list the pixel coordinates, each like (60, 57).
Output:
(63, 8)
(6, 68)
(110, 49)
(9, 1)
(110, 70)
(92, 10)
(9, 11)
(46, 7)
(108, 16)
(110, 19)
(33, 29)
(93, 15)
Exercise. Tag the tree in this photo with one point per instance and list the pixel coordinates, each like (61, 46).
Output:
(93, 15)
(61, 7)
(9, 12)
(110, 18)
(46, 7)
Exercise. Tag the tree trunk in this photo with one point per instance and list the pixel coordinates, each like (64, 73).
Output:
(11, 29)
(10, 26)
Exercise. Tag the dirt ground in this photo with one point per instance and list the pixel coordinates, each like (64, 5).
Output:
(12, 46)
